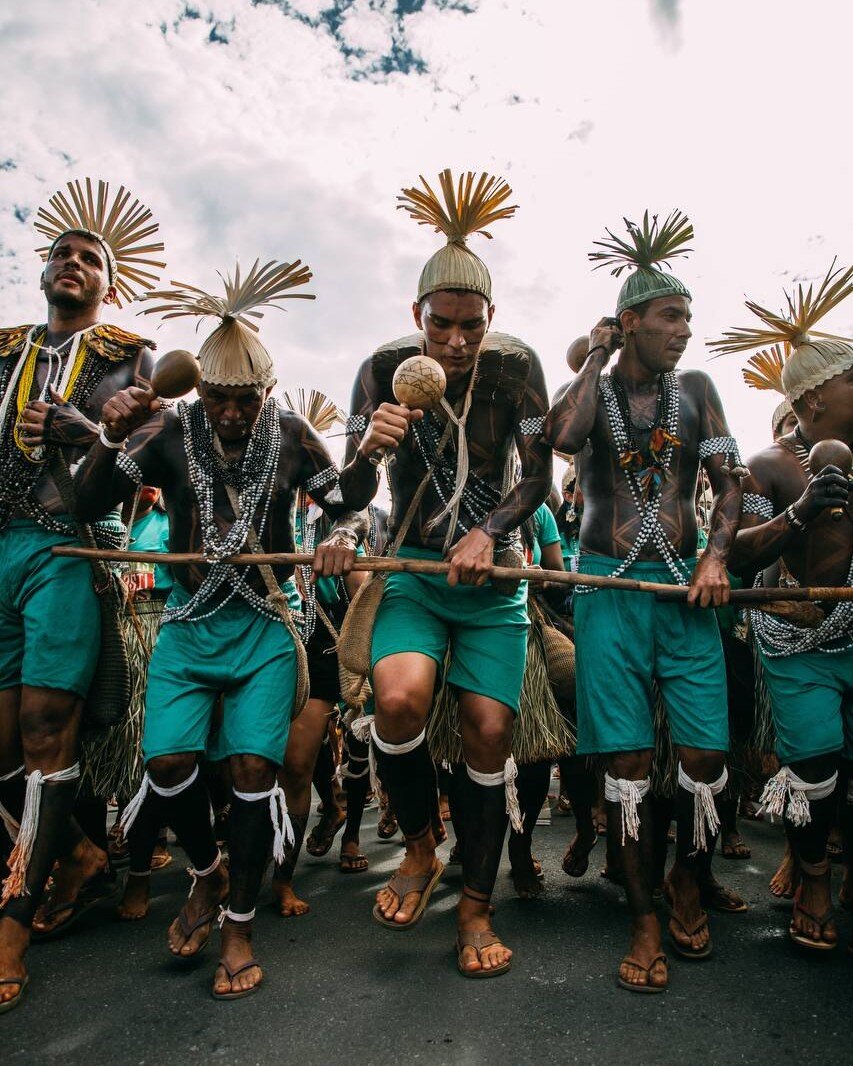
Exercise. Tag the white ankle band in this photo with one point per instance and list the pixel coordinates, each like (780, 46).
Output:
(788, 795)
(205, 873)
(396, 749)
(629, 794)
(234, 916)
(704, 809)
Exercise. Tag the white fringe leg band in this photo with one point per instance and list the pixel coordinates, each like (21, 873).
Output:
(396, 749)
(282, 826)
(629, 794)
(133, 808)
(704, 809)
(505, 777)
(787, 795)
(12, 826)
(19, 861)
(362, 729)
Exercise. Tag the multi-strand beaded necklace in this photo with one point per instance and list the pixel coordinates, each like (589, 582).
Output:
(646, 474)
(253, 476)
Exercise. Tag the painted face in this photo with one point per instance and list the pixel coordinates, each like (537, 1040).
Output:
(661, 333)
(77, 274)
(232, 410)
(454, 324)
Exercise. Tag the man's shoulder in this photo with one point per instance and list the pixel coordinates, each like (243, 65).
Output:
(12, 338)
(116, 344)
(504, 365)
(695, 381)
(388, 357)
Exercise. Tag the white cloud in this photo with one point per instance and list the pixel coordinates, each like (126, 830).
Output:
(252, 130)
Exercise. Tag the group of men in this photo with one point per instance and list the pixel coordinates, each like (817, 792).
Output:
(76, 403)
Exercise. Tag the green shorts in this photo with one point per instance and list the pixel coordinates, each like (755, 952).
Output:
(486, 631)
(624, 641)
(811, 695)
(50, 619)
(248, 658)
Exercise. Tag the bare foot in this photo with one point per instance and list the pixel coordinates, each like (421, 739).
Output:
(643, 965)
(686, 926)
(14, 941)
(69, 876)
(236, 951)
(289, 904)
(186, 938)
(599, 820)
(783, 884)
(473, 916)
(812, 914)
(134, 900)
(419, 860)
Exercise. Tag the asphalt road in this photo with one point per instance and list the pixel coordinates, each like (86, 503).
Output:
(339, 989)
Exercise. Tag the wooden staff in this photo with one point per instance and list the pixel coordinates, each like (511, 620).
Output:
(435, 566)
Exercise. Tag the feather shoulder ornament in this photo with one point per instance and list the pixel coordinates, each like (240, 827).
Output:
(814, 355)
(233, 354)
(650, 245)
(463, 207)
(316, 407)
(122, 227)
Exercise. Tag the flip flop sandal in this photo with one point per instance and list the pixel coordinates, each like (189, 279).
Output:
(583, 864)
(647, 989)
(720, 898)
(386, 827)
(483, 939)
(319, 844)
(231, 974)
(820, 921)
(10, 1004)
(208, 918)
(401, 885)
(161, 861)
(347, 863)
(97, 889)
(690, 930)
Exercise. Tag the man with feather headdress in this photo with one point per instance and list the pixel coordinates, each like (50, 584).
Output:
(452, 499)
(797, 522)
(643, 431)
(229, 464)
(54, 381)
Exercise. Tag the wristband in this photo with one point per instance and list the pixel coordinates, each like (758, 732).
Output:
(595, 349)
(793, 521)
(345, 531)
(114, 446)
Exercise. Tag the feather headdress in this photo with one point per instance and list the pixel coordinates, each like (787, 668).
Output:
(233, 353)
(320, 411)
(121, 227)
(815, 356)
(648, 245)
(464, 207)
(763, 371)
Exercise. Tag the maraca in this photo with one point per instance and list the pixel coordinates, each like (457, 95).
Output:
(175, 374)
(419, 383)
(831, 453)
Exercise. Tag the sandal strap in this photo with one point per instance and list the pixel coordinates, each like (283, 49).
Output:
(660, 957)
(12, 980)
(821, 920)
(484, 938)
(208, 918)
(692, 928)
(402, 884)
(240, 969)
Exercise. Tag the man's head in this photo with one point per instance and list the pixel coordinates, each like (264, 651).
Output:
(784, 420)
(656, 332)
(232, 410)
(826, 411)
(76, 277)
(454, 323)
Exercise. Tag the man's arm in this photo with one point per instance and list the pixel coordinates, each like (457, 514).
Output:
(371, 428)
(570, 420)
(110, 475)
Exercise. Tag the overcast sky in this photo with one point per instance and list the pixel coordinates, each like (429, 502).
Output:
(284, 129)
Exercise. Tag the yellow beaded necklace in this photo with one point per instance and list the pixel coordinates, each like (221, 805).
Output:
(25, 385)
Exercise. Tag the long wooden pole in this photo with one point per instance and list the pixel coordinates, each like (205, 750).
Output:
(435, 566)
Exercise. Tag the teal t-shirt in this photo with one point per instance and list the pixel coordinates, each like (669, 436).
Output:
(545, 532)
(151, 534)
(328, 589)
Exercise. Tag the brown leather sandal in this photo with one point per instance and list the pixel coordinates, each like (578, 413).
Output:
(478, 941)
(401, 885)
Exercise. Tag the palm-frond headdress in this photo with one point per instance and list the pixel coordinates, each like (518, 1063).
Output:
(465, 206)
(763, 371)
(122, 228)
(320, 411)
(815, 356)
(648, 245)
(233, 353)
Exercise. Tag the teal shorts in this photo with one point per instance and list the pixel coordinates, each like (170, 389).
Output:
(811, 696)
(248, 658)
(50, 619)
(485, 630)
(624, 641)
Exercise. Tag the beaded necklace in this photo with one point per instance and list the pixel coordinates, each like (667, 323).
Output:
(253, 475)
(646, 485)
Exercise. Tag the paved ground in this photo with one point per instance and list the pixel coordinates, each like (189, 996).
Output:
(339, 989)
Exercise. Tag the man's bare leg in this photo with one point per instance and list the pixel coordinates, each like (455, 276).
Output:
(642, 965)
(403, 689)
(304, 741)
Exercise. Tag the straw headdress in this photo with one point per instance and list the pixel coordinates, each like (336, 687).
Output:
(320, 411)
(469, 206)
(119, 226)
(763, 371)
(815, 356)
(648, 244)
(233, 353)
